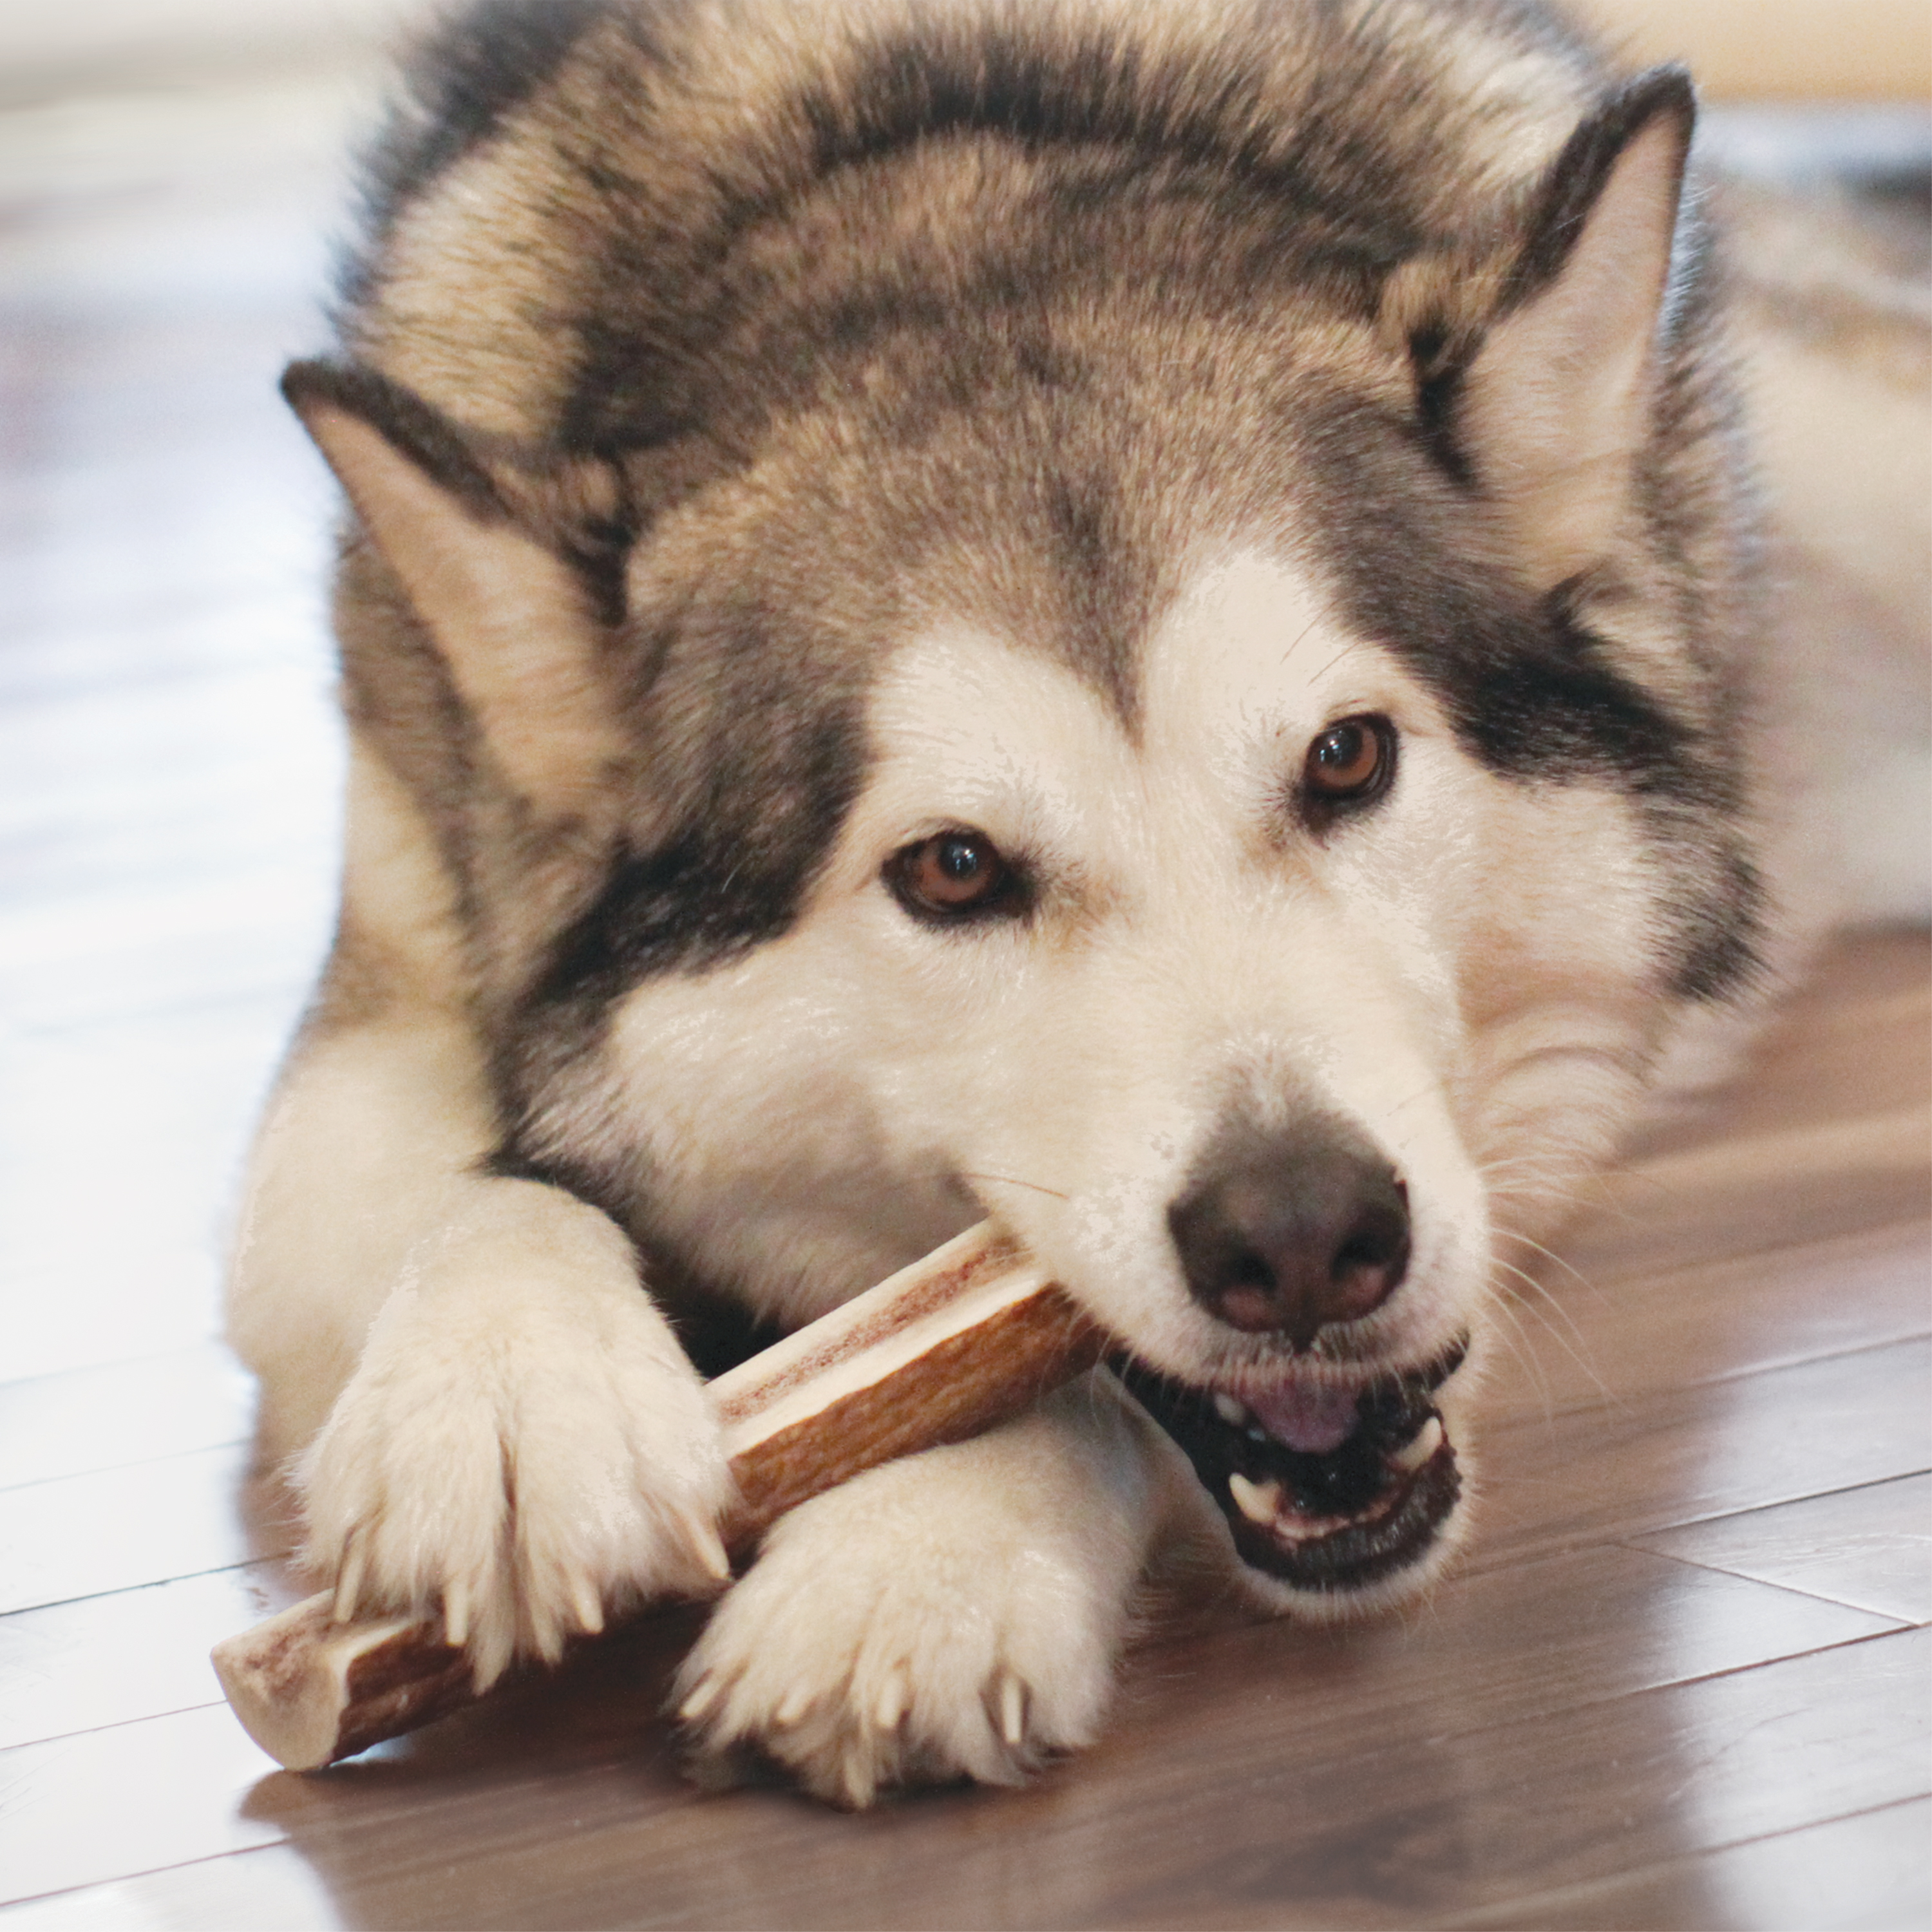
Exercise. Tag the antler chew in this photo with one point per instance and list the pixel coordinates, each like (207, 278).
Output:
(944, 1349)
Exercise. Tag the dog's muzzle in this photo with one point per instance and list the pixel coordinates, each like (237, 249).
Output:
(1325, 1489)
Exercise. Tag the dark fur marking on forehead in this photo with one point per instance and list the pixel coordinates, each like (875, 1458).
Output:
(1104, 90)
(1128, 130)
(1108, 602)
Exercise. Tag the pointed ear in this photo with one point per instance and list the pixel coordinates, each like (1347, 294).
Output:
(481, 552)
(1555, 405)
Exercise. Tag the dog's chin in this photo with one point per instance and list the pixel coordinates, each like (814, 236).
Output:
(1343, 1501)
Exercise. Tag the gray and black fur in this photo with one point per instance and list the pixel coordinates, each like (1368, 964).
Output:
(1305, 158)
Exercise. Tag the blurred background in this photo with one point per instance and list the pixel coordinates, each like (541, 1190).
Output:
(1812, 50)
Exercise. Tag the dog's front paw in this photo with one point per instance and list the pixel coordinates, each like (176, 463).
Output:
(887, 1636)
(525, 1464)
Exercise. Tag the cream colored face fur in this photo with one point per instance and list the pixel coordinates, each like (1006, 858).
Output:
(825, 1109)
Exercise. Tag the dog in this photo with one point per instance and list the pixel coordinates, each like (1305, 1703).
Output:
(1150, 620)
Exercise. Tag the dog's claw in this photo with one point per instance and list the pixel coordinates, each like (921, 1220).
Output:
(857, 1777)
(798, 1700)
(705, 1545)
(456, 1614)
(349, 1581)
(1013, 1711)
(705, 1693)
(588, 1605)
(891, 1705)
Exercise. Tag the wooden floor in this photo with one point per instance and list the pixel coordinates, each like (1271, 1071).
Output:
(1682, 1680)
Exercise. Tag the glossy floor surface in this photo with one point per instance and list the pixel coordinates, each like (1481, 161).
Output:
(1682, 1680)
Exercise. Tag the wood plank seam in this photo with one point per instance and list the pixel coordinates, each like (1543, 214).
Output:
(1790, 1589)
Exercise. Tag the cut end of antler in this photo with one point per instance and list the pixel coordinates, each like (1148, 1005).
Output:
(310, 1690)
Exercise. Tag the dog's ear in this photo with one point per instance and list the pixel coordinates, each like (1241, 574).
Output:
(1556, 403)
(499, 560)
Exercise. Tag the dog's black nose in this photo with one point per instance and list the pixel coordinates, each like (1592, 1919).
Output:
(1285, 1233)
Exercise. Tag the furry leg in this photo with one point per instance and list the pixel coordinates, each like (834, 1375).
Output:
(511, 1430)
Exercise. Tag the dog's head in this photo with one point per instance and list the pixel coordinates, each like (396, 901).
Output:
(1225, 786)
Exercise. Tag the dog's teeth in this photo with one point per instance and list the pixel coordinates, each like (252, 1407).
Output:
(1229, 1410)
(1257, 1434)
(349, 1582)
(1428, 1439)
(1257, 1502)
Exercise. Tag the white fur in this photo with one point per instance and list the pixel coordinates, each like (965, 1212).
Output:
(1462, 973)
(1418, 973)
(513, 1434)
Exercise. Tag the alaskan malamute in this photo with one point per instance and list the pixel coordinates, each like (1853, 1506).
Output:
(1144, 617)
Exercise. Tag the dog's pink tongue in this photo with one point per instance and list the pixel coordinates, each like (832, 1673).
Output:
(1313, 1420)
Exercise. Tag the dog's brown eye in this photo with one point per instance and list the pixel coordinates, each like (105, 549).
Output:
(950, 875)
(1350, 763)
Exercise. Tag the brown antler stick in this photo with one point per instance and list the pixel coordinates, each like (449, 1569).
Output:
(943, 1350)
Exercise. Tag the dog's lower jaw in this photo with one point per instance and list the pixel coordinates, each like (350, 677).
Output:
(1328, 1503)
(1272, 1596)
(1211, 1533)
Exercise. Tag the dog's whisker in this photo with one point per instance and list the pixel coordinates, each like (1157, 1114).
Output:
(1575, 1274)
(1510, 1317)
(1422, 1093)
(1010, 1181)
(1307, 632)
(1347, 650)
(1572, 1344)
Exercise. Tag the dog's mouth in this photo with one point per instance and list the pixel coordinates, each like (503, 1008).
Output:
(1325, 1489)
